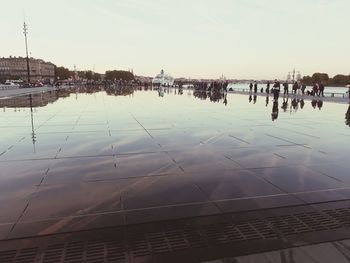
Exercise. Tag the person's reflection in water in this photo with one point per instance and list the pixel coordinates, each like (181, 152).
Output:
(319, 104)
(225, 99)
(267, 100)
(285, 104)
(250, 98)
(295, 104)
(274, 113)
(347, 117)
(314, 103)
(302, 103)
(254, 99)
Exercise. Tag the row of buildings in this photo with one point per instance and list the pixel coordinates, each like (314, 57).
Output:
(15, 68)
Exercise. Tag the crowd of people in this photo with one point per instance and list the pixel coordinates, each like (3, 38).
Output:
(297, 88)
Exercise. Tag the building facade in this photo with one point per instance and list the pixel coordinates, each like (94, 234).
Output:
(14, 68)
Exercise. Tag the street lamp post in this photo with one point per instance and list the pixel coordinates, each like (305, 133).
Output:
(25, 32)
(294, 75)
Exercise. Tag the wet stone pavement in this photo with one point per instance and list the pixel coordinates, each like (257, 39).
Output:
(75, 160)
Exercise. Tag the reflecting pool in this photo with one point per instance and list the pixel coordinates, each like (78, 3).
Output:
(79, 159)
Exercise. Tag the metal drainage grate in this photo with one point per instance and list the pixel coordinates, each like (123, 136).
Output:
(180, 237)
(26, 255)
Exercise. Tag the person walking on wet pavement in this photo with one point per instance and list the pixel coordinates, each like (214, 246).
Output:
(250, 87)
(255, 87)
(303, 87)
(295, 87)
(321, 89)
(285, 87)
(315, 89)
(276, 89)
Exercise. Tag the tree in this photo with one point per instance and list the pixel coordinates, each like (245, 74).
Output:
(63, 73)
(340, 80)
(320, 77)
(96, 77)
(88, 74)
(307, 80)
(119, 75)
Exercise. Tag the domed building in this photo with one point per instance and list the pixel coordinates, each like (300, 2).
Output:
(163, 79)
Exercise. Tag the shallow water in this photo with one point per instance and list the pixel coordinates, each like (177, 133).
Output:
(146, 155)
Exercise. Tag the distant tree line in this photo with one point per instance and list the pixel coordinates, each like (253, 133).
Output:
(64, 73)
(119, 75)
(338, 80)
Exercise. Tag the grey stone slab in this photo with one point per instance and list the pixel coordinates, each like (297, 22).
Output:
(170, 213)
(322, 196)
(134, 142)
(230, 184)
(87, 144)
(139, 165)
(18, 179)
(73, 170)
(336, 170)
(67, 224)
(294, 179)
(202, 159)
(159, 191)
(327, 252)
(257, 203)
(4, 230)
(62, 200)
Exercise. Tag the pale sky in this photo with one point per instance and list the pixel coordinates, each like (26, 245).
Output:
(260, 39)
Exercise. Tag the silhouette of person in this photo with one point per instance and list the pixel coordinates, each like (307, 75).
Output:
(254, 99)
(285, 86)
(319, 104)
(347, 117)
(267, 100)
(268, 87)
(276, 89)
(303, 87)
(250, 87)
(250, 98)
(321, 89)
(255, 87)
(274, 114)
(315, 89)
(302, 103)
(295, 87)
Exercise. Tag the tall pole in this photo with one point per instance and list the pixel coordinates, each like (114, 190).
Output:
(25, 32)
